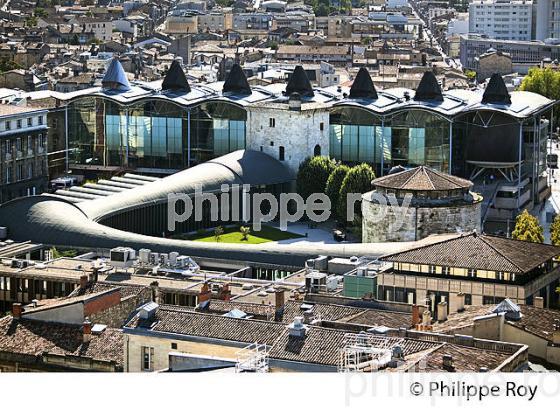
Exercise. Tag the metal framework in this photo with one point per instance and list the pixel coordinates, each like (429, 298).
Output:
(365, 352)
(252, 359)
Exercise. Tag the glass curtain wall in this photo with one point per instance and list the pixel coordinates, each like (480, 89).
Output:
(152, 134)
(408, 138)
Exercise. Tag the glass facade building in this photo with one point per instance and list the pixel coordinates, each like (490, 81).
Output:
(152, 133)
(408, 138)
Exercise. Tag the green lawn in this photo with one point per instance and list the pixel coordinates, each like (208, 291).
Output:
(232, 235)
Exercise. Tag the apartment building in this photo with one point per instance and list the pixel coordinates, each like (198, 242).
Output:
(501, 19)
(23, 151)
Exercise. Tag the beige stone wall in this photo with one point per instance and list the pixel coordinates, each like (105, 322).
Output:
(417, 223)
(116, 316)
(297, 131)
(162, 348)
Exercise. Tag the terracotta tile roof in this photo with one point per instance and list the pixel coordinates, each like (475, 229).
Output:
(325, 311)
(537, 321)
(465, 359)
(219, 307)
(484, 252)
(34, 338)
(171, 319)
(422, 179)
(378, 317)
(101, 286)
(322, 346)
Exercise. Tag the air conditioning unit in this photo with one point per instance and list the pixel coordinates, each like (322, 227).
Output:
(122, 257)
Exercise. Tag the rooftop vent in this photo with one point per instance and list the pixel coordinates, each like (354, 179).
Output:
(299, 83)
(428, 89)
(496, 91)
(115, 77)
(297, 328)
(149, 310)
(511, 310)
(175, 79)
(236, 82)
(363, 87)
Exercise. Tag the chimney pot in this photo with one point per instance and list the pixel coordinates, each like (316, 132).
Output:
(460, 302)
(17, 310)
(83, 281)
(415, 315)
(448, 363)
(538, 302)
(87, 330)
(442, 311)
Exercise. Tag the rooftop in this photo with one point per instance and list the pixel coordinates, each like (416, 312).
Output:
(484, 252)
(422, 179)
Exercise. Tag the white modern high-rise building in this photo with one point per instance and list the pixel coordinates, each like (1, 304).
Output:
(502, 19)
(547, 19)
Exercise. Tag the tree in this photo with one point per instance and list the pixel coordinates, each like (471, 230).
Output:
(358, 181)
(332, 189)
(544, 81)
(40, 12)
(245, 231)
(313, 174)
(527, 228)
(218, 232)
(555, 231)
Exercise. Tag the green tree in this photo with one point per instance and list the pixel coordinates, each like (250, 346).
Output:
(527, 228)
(332, 189)
(357, 181)
(218, 232)
(543, 81)
(313, 174)
(40, 12)
(7, 65)
(555, 231)
(245, 231)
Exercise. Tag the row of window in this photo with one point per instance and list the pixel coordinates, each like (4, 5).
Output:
(272, 124)
(19, 123)
(17, 144)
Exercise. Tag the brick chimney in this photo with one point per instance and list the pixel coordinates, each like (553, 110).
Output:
(17, 310)
(205, 293)
(415, 315)
(87, 330)
(225, 292)
(155, 291)
(279, 298)
(83, 281)
(448, 363)
(538, 302)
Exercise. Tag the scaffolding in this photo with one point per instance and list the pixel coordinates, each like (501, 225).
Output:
(366, 352)
(252, 359)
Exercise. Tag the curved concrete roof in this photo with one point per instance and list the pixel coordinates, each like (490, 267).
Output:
(56, 221)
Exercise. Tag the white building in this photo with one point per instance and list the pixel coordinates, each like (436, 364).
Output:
(502, 19)
(458, 25)
(547, 17)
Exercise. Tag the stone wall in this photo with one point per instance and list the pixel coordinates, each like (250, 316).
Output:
(297, 131)
(417, 223)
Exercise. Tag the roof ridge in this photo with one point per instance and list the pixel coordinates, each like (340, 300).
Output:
(425, 171)
(413, 248)
(499, 253)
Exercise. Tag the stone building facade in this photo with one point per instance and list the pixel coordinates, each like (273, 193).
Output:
(428, 202)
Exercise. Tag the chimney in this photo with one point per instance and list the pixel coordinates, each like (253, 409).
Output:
(426, 318)
(415, 315)
(538, 302)
(17, 310)
(483, 369)
(308, 316)
(460, 302)
(279, 299)
(297, 328)
(87, 330)
(205, 293)
(83, 281)
(448, 363)
(225, 292)
(155, 291)
(442, 311)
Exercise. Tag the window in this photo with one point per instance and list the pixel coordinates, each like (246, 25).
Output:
(8, 175)
(321, 126)
(18, 144)
(500, 275)
(445, 270)
(42, 141)
(174, 346)
(432, 269)
(29, 143)
(40, 120)
(29, 122)
(471, 273)
(147, 359)
(19, 172)
(317, 151)
(281, 153)
(30, 171)
(18, 123)
(272, 122)
(8, 125)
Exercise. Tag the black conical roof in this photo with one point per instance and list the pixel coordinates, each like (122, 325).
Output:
(496, 91)
(428, 89)
(236, 82)
(299, 83)
(363, 87)
(175, 79)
